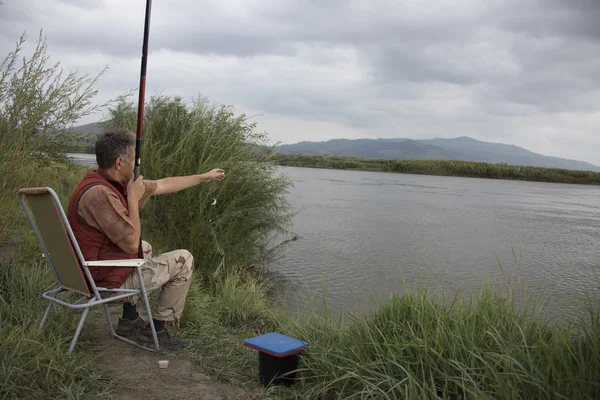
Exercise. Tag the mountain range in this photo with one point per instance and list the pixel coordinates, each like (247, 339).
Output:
(460, 148)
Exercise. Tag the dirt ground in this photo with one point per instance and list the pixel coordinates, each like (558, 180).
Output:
(138, 375)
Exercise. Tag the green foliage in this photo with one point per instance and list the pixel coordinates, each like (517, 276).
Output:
(37, 103)
(249, 205)
(445, 168)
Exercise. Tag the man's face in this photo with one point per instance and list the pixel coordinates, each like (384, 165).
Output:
(127, 165)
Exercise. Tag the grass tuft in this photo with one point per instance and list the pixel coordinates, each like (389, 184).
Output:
(34, 363)
(419, 346)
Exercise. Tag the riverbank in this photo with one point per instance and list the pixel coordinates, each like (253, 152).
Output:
(416, 346)
(444, 168)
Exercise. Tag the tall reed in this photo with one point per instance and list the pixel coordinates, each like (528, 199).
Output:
(424, 346)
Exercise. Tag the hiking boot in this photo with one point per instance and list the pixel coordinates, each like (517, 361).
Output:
(166, 340)
(127, 327)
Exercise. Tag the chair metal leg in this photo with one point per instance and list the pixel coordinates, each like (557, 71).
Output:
(147, 304)
(45, 317)
(78, 331)
(110, 324)
(150, 322)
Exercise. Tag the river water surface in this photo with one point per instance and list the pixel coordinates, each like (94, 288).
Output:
(362, 233)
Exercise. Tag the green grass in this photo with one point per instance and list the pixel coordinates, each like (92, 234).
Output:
(445, 168)
(484, 345)
(420, 346)
(215, 326)
(33, 362)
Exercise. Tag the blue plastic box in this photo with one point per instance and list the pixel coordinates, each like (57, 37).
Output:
(278, 357)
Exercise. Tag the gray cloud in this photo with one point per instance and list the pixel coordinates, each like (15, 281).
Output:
(525, 72)
(572, 19)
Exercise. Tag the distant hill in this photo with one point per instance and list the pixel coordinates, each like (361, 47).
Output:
(93, 129)
(84, 137)
(461, 148)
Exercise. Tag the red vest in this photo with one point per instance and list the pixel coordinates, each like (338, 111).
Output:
(94, 244)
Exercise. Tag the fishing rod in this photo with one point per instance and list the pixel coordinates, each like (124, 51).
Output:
(140, 120)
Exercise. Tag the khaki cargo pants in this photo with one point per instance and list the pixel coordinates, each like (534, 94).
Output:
(171, 271)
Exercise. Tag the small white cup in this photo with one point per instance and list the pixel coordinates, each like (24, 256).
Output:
(163, 363)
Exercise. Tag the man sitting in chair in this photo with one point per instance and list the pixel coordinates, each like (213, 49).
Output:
(104, 215)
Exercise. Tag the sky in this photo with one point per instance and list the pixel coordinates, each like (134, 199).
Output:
(523, 72)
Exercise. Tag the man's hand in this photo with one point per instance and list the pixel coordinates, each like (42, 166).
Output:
(216, 174)
(136, 189)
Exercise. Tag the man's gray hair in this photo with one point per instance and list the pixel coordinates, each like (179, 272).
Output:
(113, 144)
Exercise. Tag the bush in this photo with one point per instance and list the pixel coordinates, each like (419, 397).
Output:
(226, 225)
(37, 104)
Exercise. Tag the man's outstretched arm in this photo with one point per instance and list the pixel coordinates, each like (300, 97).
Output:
(177, 183)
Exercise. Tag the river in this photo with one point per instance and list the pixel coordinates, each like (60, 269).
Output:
(366, 234)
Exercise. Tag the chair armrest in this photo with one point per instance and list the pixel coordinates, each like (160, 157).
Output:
(136, 262)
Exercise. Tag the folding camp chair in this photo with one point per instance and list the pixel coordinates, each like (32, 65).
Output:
(63, 254)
